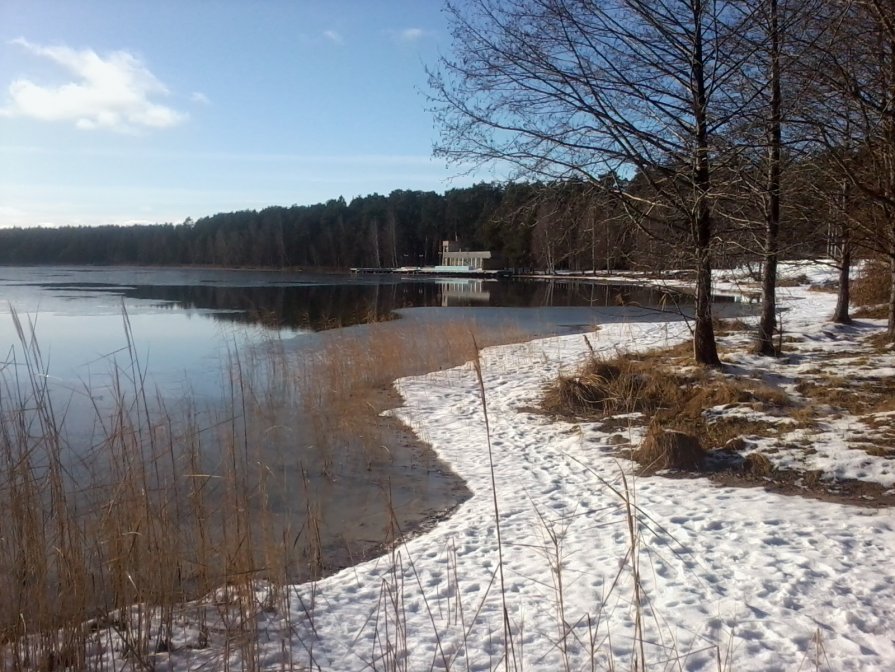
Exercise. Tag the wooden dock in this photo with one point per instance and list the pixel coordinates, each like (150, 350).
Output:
(439, 271)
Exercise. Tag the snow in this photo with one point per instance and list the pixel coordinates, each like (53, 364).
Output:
(732, 578)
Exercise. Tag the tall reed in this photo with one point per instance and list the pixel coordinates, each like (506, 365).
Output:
(120, 509)
(114, 520)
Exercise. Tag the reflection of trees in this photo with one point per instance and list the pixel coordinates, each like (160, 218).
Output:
(314, 307)
(570, 293)
(328, 306)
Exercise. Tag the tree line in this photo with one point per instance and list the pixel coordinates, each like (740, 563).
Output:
(567, 225)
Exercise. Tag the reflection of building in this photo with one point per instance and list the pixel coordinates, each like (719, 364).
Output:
(464, 293)
(455, 258)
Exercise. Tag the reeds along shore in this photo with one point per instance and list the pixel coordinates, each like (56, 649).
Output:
(162, 503)
(150, 507)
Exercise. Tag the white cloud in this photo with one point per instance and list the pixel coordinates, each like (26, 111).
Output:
(9, 212)
(333, 37)
(411, 34)
(200, 98)
(113, 92)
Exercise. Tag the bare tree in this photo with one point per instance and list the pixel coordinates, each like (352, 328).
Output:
(768, 322)
(772, 39)
(853, 115)
(561, 88)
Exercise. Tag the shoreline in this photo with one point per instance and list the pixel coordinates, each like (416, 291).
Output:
(440, 490)
(409, 454)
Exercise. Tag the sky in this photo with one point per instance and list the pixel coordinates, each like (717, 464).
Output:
(116, 112)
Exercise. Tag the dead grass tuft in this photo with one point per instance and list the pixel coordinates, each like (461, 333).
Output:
(722, 432)
(757, 465)
(664, 448)
(730, 326)
(793, 281)
(607, 387)
(657, 384)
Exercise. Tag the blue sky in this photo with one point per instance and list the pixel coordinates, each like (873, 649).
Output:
(153, 111)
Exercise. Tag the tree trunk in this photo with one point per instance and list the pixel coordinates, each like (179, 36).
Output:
(889, 203)
(843, 297)
(768, 321)
(374, 239)
(891, 330)
(840, 315)
(705, 350)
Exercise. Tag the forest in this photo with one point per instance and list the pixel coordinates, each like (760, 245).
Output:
(570, 225)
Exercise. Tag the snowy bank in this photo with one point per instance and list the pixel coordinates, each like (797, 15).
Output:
(733, 578)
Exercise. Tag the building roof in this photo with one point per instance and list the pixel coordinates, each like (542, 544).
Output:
(472, 254)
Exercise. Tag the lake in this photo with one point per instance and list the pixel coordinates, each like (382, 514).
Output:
(164, 343)
(185, 320)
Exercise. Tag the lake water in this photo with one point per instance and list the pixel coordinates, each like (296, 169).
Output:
(184, 321)
(177, 333)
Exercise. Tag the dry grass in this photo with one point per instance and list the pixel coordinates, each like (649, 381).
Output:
(657, 384)
(858, 396)
(726, 416)
(730, 326)
(793, 281)
(161, 504)
(180, 504)
(159, 507)
(880, 343)
(877, 312)
(757, 465)
(622, 384)
(722, 431)
(676, 397)
(878, 439)
(664, 448)
(347, 384)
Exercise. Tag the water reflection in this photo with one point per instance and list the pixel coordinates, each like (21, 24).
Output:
(185, 319)
(340, 301)
(464, 293)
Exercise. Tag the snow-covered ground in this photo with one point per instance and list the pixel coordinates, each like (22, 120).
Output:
(732, 578)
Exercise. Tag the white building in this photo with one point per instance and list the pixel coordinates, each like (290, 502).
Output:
(455, 258)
